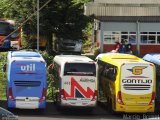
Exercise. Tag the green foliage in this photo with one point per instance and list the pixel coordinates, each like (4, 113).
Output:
(96, 51)
(81, 1)
(3, 79)
(63, 17)
(50, 90)
(48, 58)
(87, 37)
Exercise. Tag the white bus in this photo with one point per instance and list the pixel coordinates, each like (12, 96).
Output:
(76, 79)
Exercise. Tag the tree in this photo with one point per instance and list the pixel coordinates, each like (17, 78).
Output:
(63, 17)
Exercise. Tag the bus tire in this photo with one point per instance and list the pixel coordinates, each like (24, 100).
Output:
(10, 109)
(89, 110)
(109, 107)
(41, 110)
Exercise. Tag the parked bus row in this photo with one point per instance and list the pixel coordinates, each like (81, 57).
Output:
(128, 82)
(75, 77)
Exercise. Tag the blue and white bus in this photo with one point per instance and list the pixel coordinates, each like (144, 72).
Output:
(27, 80)
(155, 59)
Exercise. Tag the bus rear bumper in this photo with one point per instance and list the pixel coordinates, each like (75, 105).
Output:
(26, 105)
(136, 109)
(78, 103)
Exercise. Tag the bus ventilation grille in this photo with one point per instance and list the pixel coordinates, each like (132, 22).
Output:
(27, 83)
(136, 87)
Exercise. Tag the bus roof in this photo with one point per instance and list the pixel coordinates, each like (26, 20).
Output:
(71, 58)
(119, 58)
(153, 57)
(24, 55)
(7, 21)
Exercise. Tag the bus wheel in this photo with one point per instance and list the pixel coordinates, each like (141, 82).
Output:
(109, 107)
(41, 110)
(89, 110)
(10, 109)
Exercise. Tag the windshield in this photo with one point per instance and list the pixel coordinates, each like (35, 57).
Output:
(5, 28)
(83, 69)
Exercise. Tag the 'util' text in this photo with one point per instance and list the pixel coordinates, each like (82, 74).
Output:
(30, 67)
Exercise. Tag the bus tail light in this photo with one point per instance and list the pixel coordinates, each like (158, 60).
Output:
(43, 97)
(152, 98)
(63, 94)
(95, 95)
(119, 98)
(11, 94)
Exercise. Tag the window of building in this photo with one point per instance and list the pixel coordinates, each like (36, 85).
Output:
(107, 37)
(132, 38)
(150, 37)
(129, 36)
(158, 39)
(111, 36)
(145, 37)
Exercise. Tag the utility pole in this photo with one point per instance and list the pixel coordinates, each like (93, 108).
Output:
(37, 25)
(138, 39)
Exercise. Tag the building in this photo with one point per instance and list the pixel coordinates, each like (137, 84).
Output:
(138, 21)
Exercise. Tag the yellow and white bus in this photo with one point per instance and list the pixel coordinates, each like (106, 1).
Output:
(75, 76)
(128, 82)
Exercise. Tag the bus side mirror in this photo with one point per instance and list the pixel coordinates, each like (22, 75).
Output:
(113, 74)
(4, 67)
(105, 72)
(110, 74)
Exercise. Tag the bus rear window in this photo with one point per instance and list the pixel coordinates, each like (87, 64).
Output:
(83, 69)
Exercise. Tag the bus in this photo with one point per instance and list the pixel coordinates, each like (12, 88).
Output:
(128, 82)
(155, 59)
(75, 78)
(7, 38)
(27, 82)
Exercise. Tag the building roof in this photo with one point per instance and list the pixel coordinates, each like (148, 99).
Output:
(123, 8)
(128, 1)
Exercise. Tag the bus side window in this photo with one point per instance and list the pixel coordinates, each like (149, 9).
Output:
(111, 73)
